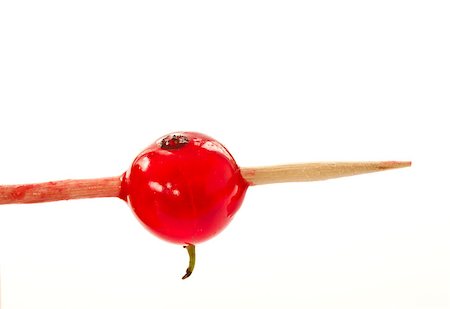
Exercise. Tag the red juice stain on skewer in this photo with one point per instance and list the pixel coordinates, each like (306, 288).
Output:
(186, 187)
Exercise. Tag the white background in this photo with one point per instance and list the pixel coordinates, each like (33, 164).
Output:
(85, 85)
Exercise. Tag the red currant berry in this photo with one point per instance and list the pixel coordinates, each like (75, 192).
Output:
(185, 187)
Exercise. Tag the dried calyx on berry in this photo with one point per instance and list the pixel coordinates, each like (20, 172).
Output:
(173, 141)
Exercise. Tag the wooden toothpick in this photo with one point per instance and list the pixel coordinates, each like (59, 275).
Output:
(111, 187)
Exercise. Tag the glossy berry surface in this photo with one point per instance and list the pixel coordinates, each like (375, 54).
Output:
(185, 187)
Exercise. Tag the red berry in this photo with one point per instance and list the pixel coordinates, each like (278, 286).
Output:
(185, 187)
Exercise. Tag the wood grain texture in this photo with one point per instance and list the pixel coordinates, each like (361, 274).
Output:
(60, 190)
(315, 171)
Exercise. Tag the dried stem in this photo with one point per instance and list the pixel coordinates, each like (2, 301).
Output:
(60, 190)
(191, 251)
(315, 171)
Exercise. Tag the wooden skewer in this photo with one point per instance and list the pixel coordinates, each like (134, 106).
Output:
(111, 186)
(315, 171)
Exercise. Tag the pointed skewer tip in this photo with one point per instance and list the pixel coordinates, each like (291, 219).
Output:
(394, 164)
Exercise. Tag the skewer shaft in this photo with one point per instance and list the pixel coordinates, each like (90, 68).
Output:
(315, 171)
(60, 190)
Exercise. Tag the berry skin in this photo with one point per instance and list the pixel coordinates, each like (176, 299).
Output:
(185, 187)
